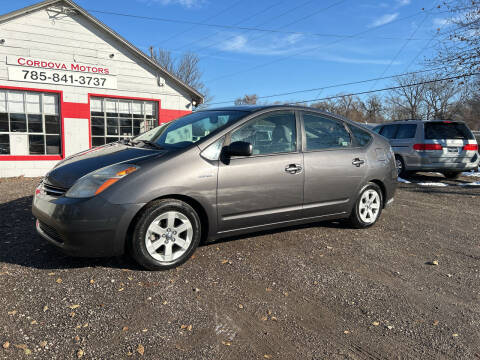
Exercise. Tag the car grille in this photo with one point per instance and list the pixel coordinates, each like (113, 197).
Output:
(51, 232)
(54, 190)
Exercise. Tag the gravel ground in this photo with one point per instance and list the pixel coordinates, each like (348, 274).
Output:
(322, 291)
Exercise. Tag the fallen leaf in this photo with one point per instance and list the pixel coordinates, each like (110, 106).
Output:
(389, 327)
(80, 353)
(274, 318)
(240, 306)
(13, 312)
(375, 323)
(267, 356)
(315, 282)
(33, 322)
(189, 327)
(25, 349)
(346, 332)
(140, 349)
(45, 308)
(92, 281)
(165, 302)
(449, 275)
(58, 281)
(183, 327)
(130, 278)
(264, 318)
(224, 261)
(285, 293)
(77, 338)
(436, 322)
(226, 343)
(125, 328)
(6, 345)
(121, 289)
(435, 262)
(455, 335)
(73, 307)
(269, 312)
(268, 289)
(329, 247)
(43, 344)
(51, 274)
(85, 325)
(129, 353)
(72, 314)
(144, 330)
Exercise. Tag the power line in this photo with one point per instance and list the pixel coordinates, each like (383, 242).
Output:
(335, 85)
(245, 28)
(237, 23)
(401, 49)
(311, 49)
(388, 88)
(206, 19)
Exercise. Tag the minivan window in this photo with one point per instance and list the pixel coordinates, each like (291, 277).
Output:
(447, 130)
(389, 131)
(406, 131)
(191, 128)
(362, 137)
(324, 133)
(269, 133)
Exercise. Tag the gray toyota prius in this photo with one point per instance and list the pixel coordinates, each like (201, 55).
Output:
(211, 174)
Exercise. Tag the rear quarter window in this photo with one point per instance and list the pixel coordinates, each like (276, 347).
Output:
(362, 137)
(447, 130)
(389, 131)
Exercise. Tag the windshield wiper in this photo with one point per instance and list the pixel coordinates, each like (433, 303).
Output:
(149, 143)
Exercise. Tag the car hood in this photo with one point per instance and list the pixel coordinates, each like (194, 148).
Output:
(66, 172)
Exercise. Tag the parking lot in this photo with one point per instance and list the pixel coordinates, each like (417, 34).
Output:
(406, 288)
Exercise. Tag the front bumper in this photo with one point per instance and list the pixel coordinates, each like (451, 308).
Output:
(90, 227)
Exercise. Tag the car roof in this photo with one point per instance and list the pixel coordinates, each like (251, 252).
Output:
(402, 122)
(257, 108)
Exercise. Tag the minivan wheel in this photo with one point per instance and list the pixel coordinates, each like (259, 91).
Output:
(166, 234)
(368, 206)
(452, 174)
(400, 164)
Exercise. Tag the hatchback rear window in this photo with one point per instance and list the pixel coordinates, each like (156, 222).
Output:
(447, 130)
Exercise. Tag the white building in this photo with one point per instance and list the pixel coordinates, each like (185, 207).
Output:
(69, 83)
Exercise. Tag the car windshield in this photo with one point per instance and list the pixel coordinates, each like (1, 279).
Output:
(190, 128)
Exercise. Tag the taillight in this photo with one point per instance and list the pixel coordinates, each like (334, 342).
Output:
(423, 147)
(470, 147)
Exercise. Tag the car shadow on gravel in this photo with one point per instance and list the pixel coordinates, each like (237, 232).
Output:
(21, 245)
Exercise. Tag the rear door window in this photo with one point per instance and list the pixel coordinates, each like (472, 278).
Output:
(389, 131)
(324, 133)
(447, 130)
(362, 137)
(406, 131)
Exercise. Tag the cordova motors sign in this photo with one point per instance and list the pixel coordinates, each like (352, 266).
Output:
(60, 72)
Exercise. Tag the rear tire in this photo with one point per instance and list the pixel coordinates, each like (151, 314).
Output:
(368, 207)
(400, 164)
(166, 234)
(452, 175)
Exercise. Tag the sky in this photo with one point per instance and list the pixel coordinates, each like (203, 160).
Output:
(309, 43)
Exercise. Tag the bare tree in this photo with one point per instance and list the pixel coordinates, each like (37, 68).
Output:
(461, 49)
(374, 109)
(247, 100)
(186, 68)
(440, 99)
(408, 98)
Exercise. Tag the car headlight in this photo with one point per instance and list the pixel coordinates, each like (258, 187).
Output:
(95, 182)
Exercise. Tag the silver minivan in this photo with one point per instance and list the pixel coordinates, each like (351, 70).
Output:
(448, 147)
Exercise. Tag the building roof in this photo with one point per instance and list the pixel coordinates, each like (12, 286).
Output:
(29, 9)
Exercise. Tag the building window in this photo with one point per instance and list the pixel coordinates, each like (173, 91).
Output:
(115, 119)
(29, 123)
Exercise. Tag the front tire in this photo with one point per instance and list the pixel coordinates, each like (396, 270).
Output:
(368, 207)
(166, 234)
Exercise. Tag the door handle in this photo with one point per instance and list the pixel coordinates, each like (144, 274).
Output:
(294, 168)
(357, 162)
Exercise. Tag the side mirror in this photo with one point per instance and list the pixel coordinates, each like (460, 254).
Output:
(239, 148)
